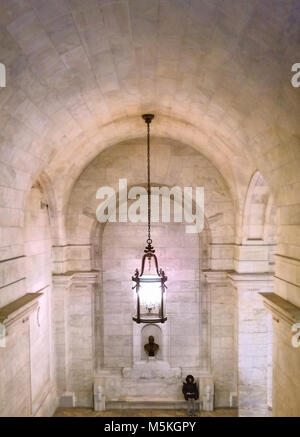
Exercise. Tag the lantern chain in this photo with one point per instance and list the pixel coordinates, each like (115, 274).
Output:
(148, 179)
(149, 250)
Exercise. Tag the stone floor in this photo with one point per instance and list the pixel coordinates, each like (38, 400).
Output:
(87, 412)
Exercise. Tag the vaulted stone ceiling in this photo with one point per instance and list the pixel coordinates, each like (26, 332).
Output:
(217, 75)
(215, 72)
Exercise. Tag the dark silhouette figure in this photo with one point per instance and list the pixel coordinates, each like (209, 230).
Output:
(151, 348)
(191, 394)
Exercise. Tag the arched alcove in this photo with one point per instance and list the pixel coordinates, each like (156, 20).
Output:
(116, 251)
(199, 333)
(259, 221)
(179, 255)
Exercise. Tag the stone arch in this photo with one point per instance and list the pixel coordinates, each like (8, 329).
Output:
(97, 228)
(82, 205)
(97, 231)
(174, 164)
(259, 212)
(260, 218)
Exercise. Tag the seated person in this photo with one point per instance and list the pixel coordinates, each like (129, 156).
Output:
(190, 391)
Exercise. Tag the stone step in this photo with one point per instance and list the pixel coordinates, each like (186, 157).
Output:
(147, 403)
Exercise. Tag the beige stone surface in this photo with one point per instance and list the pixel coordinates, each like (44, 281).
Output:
(79, 74)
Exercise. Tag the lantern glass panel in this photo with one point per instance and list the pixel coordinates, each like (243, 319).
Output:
(150, 294)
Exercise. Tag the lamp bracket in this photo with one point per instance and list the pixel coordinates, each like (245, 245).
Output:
(148, 118)
(149, 255)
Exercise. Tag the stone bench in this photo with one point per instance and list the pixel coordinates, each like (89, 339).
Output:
(130, 393)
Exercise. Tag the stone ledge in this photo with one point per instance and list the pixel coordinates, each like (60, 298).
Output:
(251, 276)
(291, 260)
(255, 281)
(76, 272)
(281, 308)
(70, 277)
(19, 308)
(148, 405)
(215, 276)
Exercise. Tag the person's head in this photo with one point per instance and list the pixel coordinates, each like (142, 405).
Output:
(189, 379)
(151, 339)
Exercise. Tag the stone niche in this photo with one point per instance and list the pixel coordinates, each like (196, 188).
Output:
(126, 377)
(129, 377)
(141, 333)
(151, 378)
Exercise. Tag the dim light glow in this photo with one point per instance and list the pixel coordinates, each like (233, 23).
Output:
(150, 293)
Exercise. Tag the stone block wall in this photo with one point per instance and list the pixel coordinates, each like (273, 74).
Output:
(15, 373)
(29, 385)
(286, 365)
(75, 335)
(82, 342)
(253, 337)
(223, 341)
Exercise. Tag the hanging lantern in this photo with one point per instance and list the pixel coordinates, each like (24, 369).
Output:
(149, 288)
